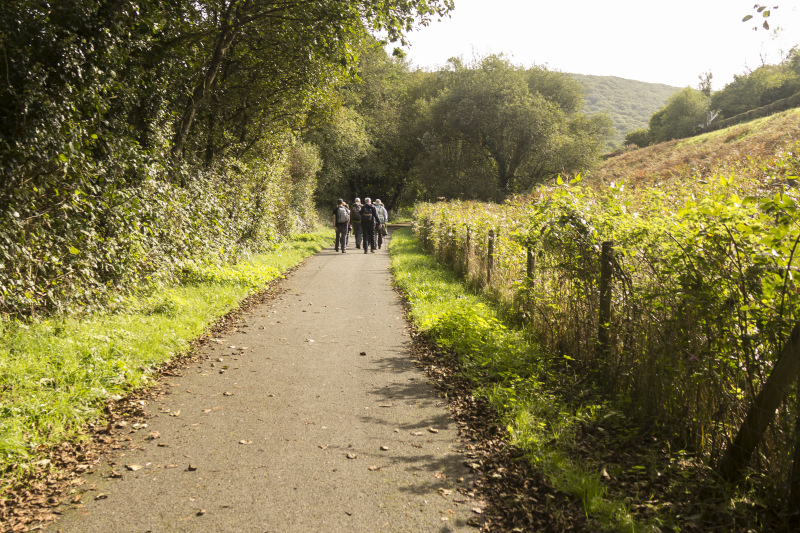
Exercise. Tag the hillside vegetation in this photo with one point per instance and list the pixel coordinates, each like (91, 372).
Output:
(663, 286)
(629, 103)
(754, 149)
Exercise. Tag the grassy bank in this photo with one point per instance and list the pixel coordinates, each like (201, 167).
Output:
(523, 385)
(56, 374)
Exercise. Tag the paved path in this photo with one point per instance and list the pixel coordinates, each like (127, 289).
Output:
(288, 427)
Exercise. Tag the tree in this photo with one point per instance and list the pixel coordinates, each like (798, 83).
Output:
(522, 125)
(639, 138)
(684, 112)
(759, 87)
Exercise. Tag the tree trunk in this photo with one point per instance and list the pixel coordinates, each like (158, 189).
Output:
(761, 413)
(223, 42)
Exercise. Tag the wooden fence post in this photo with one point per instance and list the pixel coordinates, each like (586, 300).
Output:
(466, 257)
(490, 258)
(529, 264)
(762, 411)
(606, 272)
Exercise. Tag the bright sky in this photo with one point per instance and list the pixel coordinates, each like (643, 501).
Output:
(659, 41)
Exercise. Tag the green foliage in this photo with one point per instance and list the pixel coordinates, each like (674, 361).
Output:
(505, 368)
(704, 292)
(760, 87)
(639, 138)
(469, 131)
(136, 138)
(505, 129)
(684, 112)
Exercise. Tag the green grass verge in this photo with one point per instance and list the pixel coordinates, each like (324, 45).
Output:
(56, 374)
(508, 370)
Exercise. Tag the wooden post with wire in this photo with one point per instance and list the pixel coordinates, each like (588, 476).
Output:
(490, 258)
(606, 273)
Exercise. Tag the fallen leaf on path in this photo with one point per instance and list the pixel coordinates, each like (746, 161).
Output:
(227, 394)
(373, 468)
(477, 510)
(385, 405)
(323, 447)
(445, 492)
(206, 410)
(114, 474)
(440, 475)
(201, 512)
(101, 496)
(433, 430)
(245, 442)
(363, 353)
(133, 468)
(171, 466)
(352, 456)
(176, 413)
(192, 468)
(417, 433)
(385, 448)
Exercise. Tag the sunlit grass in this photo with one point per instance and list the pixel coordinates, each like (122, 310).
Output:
(508, 370)
(56, 374)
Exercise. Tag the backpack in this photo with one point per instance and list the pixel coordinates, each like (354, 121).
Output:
(341, 215)
(355, 214)
(366, 213)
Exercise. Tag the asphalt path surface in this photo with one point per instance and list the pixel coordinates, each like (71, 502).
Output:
(310, 416)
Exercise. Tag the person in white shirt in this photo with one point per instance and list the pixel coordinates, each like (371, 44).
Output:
(383, 218)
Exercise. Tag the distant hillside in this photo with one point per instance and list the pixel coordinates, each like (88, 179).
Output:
(629, 103)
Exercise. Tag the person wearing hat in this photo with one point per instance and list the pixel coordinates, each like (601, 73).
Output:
(369, 218)
(355, 221)
(383, 218)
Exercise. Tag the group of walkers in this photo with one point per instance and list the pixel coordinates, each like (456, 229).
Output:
(367, 222)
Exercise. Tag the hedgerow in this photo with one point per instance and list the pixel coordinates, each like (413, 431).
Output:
(703, 299)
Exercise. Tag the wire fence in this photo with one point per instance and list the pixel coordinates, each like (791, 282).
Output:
(689, 325)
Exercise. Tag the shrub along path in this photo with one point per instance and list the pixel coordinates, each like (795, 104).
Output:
(307, 415)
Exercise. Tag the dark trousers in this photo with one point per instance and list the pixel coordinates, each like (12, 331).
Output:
(379, 234)
(357, 233)
(341, 235)
(369, 236)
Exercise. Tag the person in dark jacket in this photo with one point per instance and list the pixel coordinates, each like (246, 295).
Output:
(341, 219)
(355, 222)
(369, 218)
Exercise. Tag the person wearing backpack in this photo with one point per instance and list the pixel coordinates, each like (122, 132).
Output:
(341, 218)
(383, 218)
(369, 217)
(355, 222)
